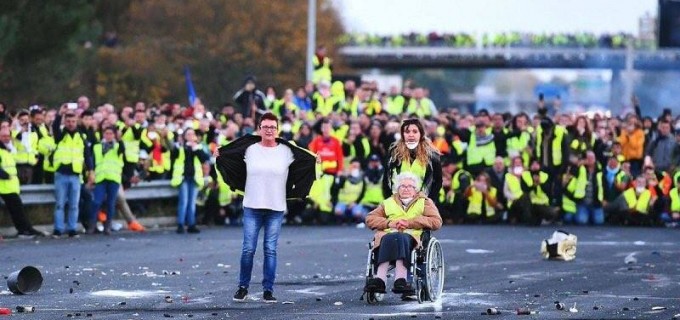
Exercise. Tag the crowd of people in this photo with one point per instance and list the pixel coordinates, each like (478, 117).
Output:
(486, 167)
(496, 40)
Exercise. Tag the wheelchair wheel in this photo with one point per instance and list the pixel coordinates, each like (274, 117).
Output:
(374, 297)
(434, 270)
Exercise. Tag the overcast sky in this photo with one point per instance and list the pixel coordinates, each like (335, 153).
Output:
(401, 16)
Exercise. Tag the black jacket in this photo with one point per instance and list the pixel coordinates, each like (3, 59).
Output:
(232, 166)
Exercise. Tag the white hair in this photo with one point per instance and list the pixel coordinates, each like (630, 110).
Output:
(405, 176)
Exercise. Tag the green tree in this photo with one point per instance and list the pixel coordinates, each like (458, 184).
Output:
(43, 51)
(221, 41)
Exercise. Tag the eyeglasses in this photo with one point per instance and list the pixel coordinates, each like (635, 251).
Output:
(407, 187)
(265, 128)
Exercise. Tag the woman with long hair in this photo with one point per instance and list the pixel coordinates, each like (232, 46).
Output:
(413, 153)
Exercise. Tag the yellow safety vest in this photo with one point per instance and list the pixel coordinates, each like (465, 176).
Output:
(109, 166)
(514, 186)
(70, 151)
(11, 185)
(373, 194)
(132, 144)
(538, 196)
(416, 168)
(350, 192)
(395, 211)
(556, 146)
(178, 171)
(485, 154)
(576, 186)
(475, 205)
(26, 156)
(423, 111)
(322, 70)
(395, 106)
(519, 146)
(46, 146)
(675, 200)
(320, 192)
(639, 203)
(224, 192)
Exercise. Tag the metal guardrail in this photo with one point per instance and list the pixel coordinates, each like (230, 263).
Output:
(44, 193)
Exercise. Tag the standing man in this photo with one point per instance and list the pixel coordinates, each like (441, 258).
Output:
(71, 159)
(268, 170)
(26, 144)
(323, 68)
(9, 188)
(108, 171)
(329, 150)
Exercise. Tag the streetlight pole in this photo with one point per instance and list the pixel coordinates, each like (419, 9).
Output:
(311, 37)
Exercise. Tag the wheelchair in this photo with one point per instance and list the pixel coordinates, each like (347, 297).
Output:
(426, 272)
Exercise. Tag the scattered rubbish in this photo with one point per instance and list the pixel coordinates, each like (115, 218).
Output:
(168, 299)
(511, 281)
(318, 299)
(24, 281)
(122, 303)
(190, 315)
(596, 308)
(626, 309)
(573, 309)
(68, 315)
(630, 258)
(492, 311)
(167, 315)
(88, 269)
(559, 306)
(585, 291)
(656, 253)
(88, 315)
(676, 317)
(214, 313)
(5, 311)
(561, 246)
(657, 308)
(338, 303)
(70, 290)
(25, 309)
(537, 296)
(636, 299)
(288, 302)
(525, 311)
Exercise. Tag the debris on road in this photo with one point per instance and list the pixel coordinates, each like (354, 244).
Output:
(658, 308)
(573, 309)
(25, 309)
(525, 311)
(630, 258)
(288, 302)
(492, 311)
(338, 303)
(561, 246)
(559, 306)
(5, 311)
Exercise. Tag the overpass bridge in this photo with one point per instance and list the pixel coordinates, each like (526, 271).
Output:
(369, 57)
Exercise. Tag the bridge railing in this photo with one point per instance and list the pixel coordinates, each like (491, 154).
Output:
(44, 193)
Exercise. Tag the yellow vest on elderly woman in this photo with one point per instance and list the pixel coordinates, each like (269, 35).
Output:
(394, 211)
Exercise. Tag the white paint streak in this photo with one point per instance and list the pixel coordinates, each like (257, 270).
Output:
(132, 294)
(481, 251)
(310, 290)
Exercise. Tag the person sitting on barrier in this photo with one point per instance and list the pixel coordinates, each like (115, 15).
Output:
(399, 221)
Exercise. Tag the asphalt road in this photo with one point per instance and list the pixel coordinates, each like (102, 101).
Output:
(320, 275)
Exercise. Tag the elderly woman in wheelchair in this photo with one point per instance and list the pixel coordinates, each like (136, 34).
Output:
(399, 222)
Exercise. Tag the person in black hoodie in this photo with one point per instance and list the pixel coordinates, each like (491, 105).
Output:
(250, 100)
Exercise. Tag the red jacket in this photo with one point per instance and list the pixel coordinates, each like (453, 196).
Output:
(330, 152)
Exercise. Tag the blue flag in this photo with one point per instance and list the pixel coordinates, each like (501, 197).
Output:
(190, 86)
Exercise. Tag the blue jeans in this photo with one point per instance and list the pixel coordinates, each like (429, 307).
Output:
(584, 213)
(186, 211)
(66, 190)
(104, 190)
(253, 221)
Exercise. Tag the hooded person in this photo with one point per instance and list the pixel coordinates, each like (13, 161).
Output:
(250, 100)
